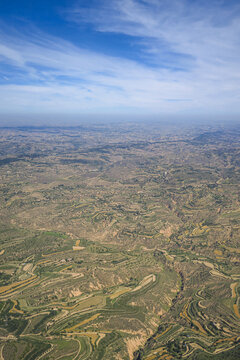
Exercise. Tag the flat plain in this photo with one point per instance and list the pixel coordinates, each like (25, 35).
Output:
(120, 241)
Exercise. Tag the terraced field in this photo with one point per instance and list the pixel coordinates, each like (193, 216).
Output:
(119, 242)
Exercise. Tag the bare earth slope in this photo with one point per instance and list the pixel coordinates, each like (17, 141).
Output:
(120, 242)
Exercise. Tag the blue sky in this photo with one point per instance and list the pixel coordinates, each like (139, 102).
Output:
(120, 57)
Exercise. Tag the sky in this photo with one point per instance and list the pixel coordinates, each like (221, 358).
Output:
(82, 57)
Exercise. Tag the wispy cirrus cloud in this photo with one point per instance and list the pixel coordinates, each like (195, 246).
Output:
(52, 72)
(206, 33)
(192, 51)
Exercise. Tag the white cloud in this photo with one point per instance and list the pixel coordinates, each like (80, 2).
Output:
(195, 51)
(205, 33)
